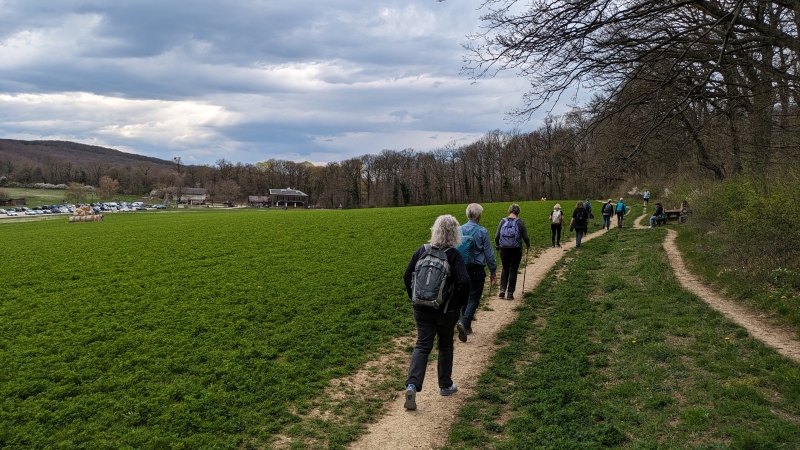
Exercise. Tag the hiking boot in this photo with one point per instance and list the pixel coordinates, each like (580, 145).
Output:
(510, 296)
(448, 390)
(462, 332)
(411, 397)
(502, 294)
(469, 330)
(558, 245)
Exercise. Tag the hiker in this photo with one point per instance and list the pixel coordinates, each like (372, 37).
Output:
(607, 212)
(646, 196)
(658, 214)
(481, 254)
(511, 232)
(621, 210)
(579, 222)
(588, 206)
(433, 322)
(556, 220)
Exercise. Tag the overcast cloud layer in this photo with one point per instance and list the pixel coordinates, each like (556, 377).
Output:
(316, 80)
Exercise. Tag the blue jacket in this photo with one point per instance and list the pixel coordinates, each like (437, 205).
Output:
(482, 250)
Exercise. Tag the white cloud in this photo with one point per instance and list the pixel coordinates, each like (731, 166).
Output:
(319, 80)
(170, 123)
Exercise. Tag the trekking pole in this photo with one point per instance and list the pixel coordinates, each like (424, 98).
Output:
(525, 272)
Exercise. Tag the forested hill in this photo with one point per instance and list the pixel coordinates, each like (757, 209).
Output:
(36, 153)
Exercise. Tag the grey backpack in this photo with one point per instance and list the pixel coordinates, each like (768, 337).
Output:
(429, 283)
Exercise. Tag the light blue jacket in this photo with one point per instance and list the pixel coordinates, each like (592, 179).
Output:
(482, 251)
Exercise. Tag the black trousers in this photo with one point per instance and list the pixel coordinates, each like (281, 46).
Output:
(555, 233)
(429, 326)
(511, 258)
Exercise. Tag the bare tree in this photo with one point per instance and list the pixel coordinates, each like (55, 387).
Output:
(108, 188)
(682, 63)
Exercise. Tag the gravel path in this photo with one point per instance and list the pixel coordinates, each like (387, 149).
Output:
(784, 341)
(428, 426)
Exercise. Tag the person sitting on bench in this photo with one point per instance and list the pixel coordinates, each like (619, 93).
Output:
(657, 216)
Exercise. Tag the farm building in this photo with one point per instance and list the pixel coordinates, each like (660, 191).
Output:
(13, 202)
(280, 197)
(191, 196)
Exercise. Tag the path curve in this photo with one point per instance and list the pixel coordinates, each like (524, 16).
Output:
(783, 341)
(428, 427)
(637, 225)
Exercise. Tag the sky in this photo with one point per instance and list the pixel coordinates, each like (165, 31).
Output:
(301, 80)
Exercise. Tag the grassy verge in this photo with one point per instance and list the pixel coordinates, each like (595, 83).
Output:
(610, 352)
(776, 299)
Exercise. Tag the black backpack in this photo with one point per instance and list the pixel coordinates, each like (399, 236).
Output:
(608, 208)
(580, 216)
(430, 286)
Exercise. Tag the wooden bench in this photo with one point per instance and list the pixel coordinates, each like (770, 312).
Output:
(671, 214)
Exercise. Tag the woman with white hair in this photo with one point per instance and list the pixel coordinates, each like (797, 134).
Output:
(556, 221)
(436, 321)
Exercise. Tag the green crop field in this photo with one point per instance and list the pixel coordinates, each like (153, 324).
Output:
(198, 329)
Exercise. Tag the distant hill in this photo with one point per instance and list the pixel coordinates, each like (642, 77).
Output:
(37, 152)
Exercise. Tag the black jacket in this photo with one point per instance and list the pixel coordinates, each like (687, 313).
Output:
(458, 276)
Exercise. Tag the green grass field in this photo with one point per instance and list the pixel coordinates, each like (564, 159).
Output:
(610, 352)
(198, 329)
(38, 197)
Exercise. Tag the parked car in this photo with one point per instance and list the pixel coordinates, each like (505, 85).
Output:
(12, 213)
(160, 207)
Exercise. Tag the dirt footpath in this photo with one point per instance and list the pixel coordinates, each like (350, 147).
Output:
(782, 340)
(428, 426)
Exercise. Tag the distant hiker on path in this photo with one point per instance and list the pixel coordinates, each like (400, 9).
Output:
(556, 221)
(509, 237)
(477, 245)
(579, 222)
(646, 196)
(588, 206)
(621, 210)
(607, 211)
(437, 282)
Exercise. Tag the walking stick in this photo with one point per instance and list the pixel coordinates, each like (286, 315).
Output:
(525, 272)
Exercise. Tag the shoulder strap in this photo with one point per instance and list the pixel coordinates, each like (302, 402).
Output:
(471, 232)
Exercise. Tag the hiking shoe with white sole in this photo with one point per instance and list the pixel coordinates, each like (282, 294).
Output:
(448, 390)
(510, 297)
(411, 397)
(462, 332)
